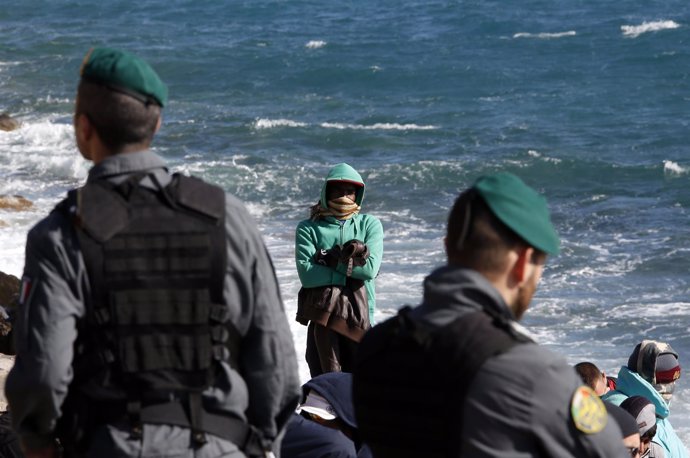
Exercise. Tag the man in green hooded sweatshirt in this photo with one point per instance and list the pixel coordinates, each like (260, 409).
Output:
(338, 253)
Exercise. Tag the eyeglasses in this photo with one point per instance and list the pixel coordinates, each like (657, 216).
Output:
(634, 451)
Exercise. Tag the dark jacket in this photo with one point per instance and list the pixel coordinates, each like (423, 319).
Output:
(307, 439)
(340, 308)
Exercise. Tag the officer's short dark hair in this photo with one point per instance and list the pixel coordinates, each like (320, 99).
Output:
(475, 238)
(119, 119)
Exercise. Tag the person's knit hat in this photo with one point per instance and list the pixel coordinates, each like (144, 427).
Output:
(521, 208)
(656, 362)
(124, 72)
(626, 422)
(642, 410)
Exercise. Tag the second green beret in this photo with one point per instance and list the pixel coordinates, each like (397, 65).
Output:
(125, 72)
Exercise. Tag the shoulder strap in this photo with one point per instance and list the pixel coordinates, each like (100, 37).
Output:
(200, 196)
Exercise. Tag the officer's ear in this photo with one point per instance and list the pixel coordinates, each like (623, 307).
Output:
(521, 269)
(158, 123)
(82, 126)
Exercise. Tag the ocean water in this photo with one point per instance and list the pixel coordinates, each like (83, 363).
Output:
(587, 101)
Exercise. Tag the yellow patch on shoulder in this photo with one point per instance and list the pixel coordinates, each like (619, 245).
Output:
(588, 411)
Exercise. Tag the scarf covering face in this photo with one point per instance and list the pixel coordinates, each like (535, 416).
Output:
(340, 208)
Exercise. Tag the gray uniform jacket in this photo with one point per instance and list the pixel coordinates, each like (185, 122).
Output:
(518, 405)
(56, 289)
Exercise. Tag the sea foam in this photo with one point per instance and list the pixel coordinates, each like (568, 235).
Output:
(315, 44)
(545, 35)
(377, 126)
(672, 168)
(263, 123)
(634, 31)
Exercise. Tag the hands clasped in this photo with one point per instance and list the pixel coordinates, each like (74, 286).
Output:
(353, 253)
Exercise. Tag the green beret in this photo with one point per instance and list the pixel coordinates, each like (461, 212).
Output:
(124, 72)
(520, 208)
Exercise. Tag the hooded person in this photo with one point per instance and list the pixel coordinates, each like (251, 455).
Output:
(338, 254)
(325, 423)
(652, 371)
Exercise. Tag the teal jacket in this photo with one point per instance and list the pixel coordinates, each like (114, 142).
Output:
(630, 383)
(324, 233)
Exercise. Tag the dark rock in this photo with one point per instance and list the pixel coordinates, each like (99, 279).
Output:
(9, 299)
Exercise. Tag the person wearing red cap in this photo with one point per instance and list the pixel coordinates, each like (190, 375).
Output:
(338, 254)
(652, 371)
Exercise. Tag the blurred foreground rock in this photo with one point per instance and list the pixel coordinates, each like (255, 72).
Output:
(8, 123)
(15, 203)
(9, 299)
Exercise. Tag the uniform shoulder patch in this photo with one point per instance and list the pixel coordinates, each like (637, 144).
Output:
(588, 411)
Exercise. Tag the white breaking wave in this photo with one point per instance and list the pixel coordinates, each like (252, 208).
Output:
(377, 126)
(545, 35)
(634, 31)
(315, 44)
(673, 168)
(263, 123)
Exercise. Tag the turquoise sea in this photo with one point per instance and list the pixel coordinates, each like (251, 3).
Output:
(588, 101)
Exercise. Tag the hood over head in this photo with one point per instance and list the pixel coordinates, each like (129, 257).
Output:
(336, 389)
(657, 362)
(630, 383)
(343, 172)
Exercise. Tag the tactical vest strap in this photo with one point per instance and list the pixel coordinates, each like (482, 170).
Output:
(233, 429)
(411, 380)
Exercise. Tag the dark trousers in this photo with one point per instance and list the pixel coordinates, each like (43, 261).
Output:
(328, 351)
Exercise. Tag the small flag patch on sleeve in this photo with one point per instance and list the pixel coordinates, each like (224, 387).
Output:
(25, 289)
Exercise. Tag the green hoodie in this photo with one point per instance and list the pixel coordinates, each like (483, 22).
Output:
(324, 233)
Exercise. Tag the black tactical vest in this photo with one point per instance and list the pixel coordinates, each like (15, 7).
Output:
(411, 380)
(156, 324)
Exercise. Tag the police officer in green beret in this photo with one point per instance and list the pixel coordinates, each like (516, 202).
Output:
(457, 375)
(150, 320)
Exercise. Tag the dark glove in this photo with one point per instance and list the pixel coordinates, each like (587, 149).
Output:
(328, 257)
(354, 250)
